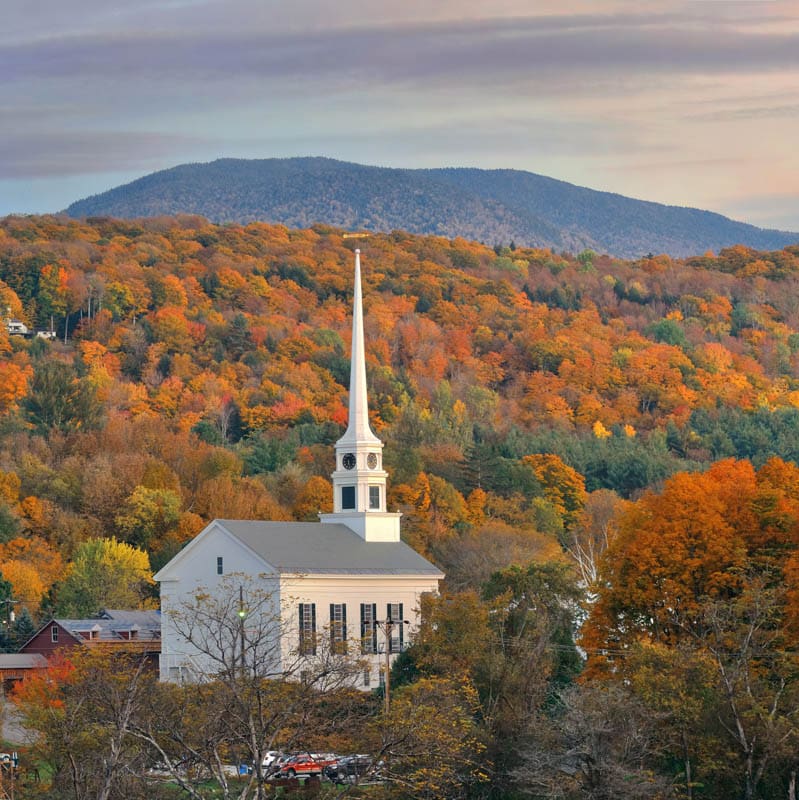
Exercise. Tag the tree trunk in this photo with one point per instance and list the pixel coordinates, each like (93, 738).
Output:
(688, 776)
(792, 786)
(750, 784)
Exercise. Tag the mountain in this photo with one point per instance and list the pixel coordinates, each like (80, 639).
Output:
(493, 206)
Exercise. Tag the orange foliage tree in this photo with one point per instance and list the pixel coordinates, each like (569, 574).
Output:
(705, 538)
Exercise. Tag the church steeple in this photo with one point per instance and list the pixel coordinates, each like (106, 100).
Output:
(359, 482)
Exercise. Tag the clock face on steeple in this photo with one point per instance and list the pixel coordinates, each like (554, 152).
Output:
(348, 461)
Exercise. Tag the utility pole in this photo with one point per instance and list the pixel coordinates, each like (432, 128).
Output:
(387, 626)
(242, 616)
(9, 613)
(10, 617)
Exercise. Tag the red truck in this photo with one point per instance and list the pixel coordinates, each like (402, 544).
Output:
(306, 764)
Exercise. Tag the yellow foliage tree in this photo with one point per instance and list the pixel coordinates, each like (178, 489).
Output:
(104, 573)
(563, 486)
(26, 583)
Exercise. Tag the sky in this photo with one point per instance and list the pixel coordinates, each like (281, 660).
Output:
(687, 103)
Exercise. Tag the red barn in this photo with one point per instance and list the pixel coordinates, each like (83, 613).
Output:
(122, 630)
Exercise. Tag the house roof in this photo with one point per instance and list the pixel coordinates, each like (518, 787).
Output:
(121, 619)
(329, 548)
(22, 661)
(112, 624)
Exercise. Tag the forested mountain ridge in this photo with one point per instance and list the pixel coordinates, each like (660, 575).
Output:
(568, 438)
(485, 205)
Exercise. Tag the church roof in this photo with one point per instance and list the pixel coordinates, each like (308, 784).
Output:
(325, 548)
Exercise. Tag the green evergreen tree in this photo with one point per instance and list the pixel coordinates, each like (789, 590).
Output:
(23, 628)
(59, 399)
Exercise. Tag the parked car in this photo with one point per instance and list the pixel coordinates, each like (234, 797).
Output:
(305, 764)
(351, 769)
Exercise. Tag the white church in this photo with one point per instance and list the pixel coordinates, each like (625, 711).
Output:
(334, 582)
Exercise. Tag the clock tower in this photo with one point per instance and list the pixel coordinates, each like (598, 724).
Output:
(359, 482)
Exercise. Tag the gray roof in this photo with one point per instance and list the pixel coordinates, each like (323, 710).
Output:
(124, 619)
(329, 548)
(22, 661)
(111, 624)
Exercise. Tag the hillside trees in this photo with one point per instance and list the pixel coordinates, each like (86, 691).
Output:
(243, 306)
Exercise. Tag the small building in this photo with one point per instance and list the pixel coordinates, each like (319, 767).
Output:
(347, 580)
(125, 631)
(16, 666)
(17, 328)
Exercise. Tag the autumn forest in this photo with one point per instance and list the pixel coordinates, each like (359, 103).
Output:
(600, 454)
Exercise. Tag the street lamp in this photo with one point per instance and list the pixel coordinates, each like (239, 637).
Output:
(387, 626)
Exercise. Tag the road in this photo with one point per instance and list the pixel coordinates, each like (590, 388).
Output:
(11, 729)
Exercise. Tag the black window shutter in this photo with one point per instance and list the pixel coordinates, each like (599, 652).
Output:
(374, 627)
(401, 627)
(303, 634)
(332, 614)
(344, 622)
(363, 621)
(313, 629)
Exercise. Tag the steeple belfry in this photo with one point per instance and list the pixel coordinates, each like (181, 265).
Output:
(359, 482)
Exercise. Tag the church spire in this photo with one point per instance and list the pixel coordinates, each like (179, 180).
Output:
(359, 482)
(358, 430)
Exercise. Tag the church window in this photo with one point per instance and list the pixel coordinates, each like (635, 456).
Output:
(347, 498)
(220, 569)
(394, 616)
(308, 629)
(368, 628)
(374, 498)
(338, 628)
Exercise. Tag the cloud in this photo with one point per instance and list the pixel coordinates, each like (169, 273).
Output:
(479, 51)
(787, 111)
